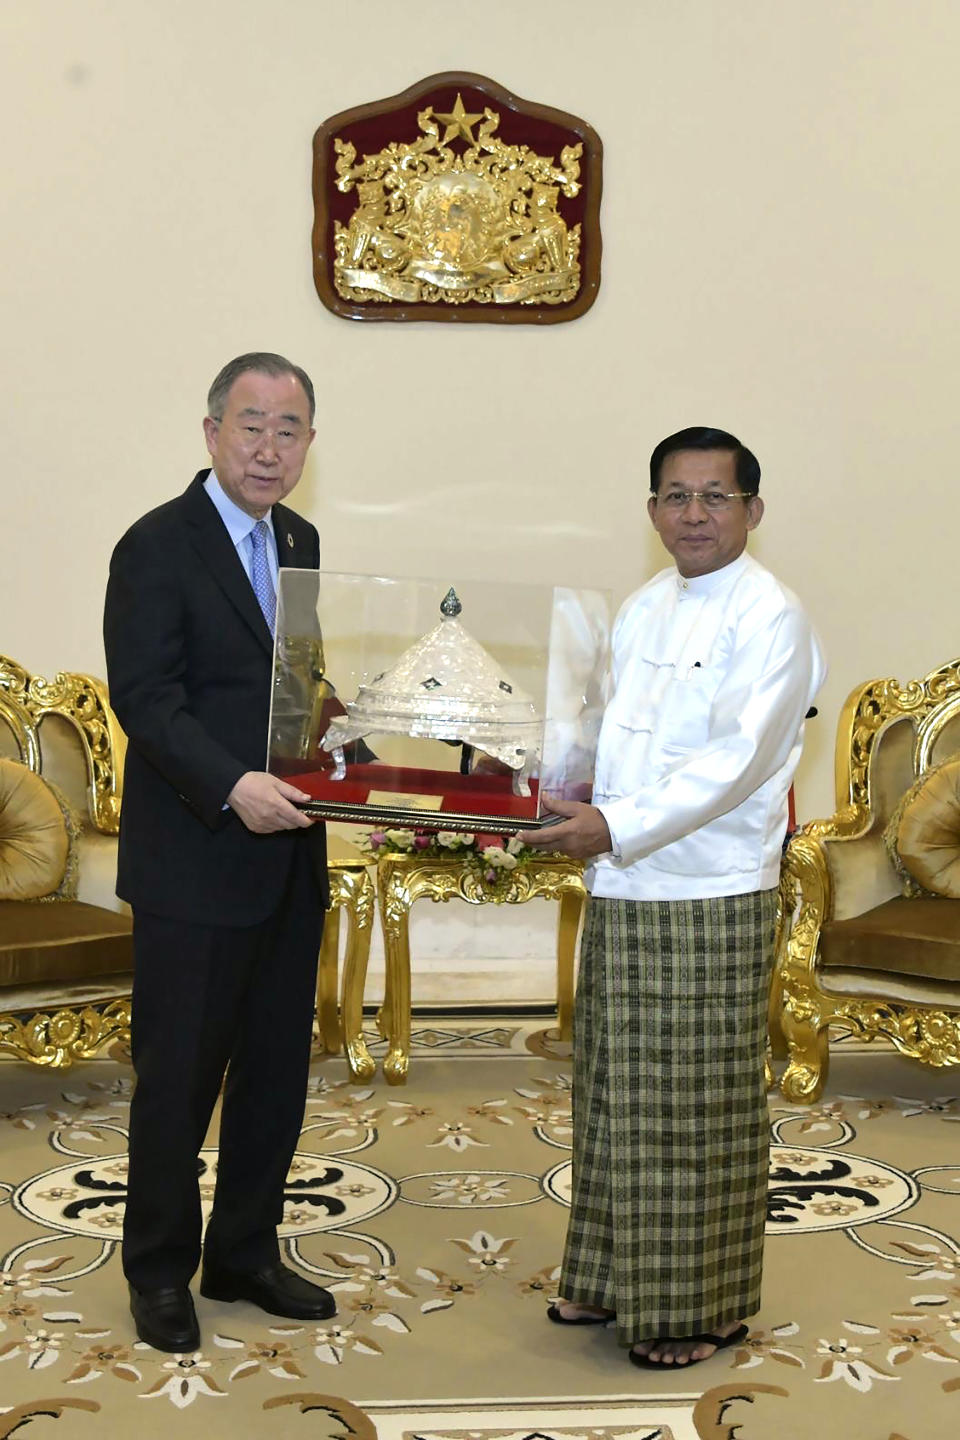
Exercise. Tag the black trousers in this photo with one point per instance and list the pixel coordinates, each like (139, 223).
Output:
(210, 1001)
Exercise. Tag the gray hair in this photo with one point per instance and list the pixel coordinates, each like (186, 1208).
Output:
(263, 362)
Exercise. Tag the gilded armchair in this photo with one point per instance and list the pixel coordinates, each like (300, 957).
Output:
(854, 949)
(65, 966)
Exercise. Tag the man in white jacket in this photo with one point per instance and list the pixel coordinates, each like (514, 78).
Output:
(715, 665)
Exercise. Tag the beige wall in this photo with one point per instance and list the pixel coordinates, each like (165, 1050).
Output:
(780, 225)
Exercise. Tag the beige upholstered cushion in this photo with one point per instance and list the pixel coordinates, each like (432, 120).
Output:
(928, 835)
(34, 841)
(67, 942)
(918, 937)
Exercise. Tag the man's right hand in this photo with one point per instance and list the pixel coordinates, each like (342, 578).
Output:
(263, 803)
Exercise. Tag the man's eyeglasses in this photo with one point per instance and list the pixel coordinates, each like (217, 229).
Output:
(677, 500)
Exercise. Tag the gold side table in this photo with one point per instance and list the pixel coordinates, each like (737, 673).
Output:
(403, 878)
(352, 892)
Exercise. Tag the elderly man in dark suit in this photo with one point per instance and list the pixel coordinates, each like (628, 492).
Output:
(226, 877)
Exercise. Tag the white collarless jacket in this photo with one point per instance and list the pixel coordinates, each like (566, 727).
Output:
(711, 679)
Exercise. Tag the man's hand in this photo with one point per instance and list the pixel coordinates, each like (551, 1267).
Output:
(263, 803)
(582, 834)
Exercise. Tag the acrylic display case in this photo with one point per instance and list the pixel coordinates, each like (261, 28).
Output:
(421, 704)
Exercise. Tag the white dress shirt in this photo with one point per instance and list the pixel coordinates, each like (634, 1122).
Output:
(712, 677)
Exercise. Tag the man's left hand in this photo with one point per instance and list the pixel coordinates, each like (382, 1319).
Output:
(265, 803)
(581, 834)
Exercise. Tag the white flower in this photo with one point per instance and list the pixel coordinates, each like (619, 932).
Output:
(400, 839)
(500, 859)
(333, 1342)
(468, 1189)
(515, 846)
(456, 1136)
(485, 1252)
(452, 840)
(186, 1383)
(844, 1361)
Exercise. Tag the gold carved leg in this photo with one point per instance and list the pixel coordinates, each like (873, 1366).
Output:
(395, 901)
(568, 928)
(808, 1051)
(382, 1018)
(804, 1012)
(360, 1062)
(403, 879)
(776, 1042)
(327, 971)
(777, 1045)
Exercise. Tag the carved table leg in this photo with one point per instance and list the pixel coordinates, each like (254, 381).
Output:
(360, 1062)
(402, 879)
(395, 902)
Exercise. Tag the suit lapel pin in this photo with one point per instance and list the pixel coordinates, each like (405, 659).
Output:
(290, 540)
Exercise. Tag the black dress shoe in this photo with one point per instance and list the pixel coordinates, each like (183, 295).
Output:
(273, 1287)
(166, 1318)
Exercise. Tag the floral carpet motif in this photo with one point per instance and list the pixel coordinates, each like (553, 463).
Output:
(436, 1212)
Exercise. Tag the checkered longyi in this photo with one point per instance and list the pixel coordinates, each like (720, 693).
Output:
(671, 1133)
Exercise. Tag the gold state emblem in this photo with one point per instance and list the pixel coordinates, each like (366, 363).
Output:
(480, 223)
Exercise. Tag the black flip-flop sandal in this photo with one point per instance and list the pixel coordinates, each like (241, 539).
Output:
(553, 1313)
(720, 1341)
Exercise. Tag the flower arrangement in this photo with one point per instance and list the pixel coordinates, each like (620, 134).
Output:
(492, 855)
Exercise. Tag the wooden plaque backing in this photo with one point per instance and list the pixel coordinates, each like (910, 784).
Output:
(372, 127)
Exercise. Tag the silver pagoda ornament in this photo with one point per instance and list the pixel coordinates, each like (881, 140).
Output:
(445, 687)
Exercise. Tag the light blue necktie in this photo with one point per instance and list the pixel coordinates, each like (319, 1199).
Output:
(260, 574)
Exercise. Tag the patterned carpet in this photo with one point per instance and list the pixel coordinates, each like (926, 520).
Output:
(436, 1212)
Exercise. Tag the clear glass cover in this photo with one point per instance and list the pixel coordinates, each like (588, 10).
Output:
(430, 704)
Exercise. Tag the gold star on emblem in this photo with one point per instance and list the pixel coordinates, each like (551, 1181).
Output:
(459, 123)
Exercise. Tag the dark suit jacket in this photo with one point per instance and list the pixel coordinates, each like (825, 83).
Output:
(189, 662)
